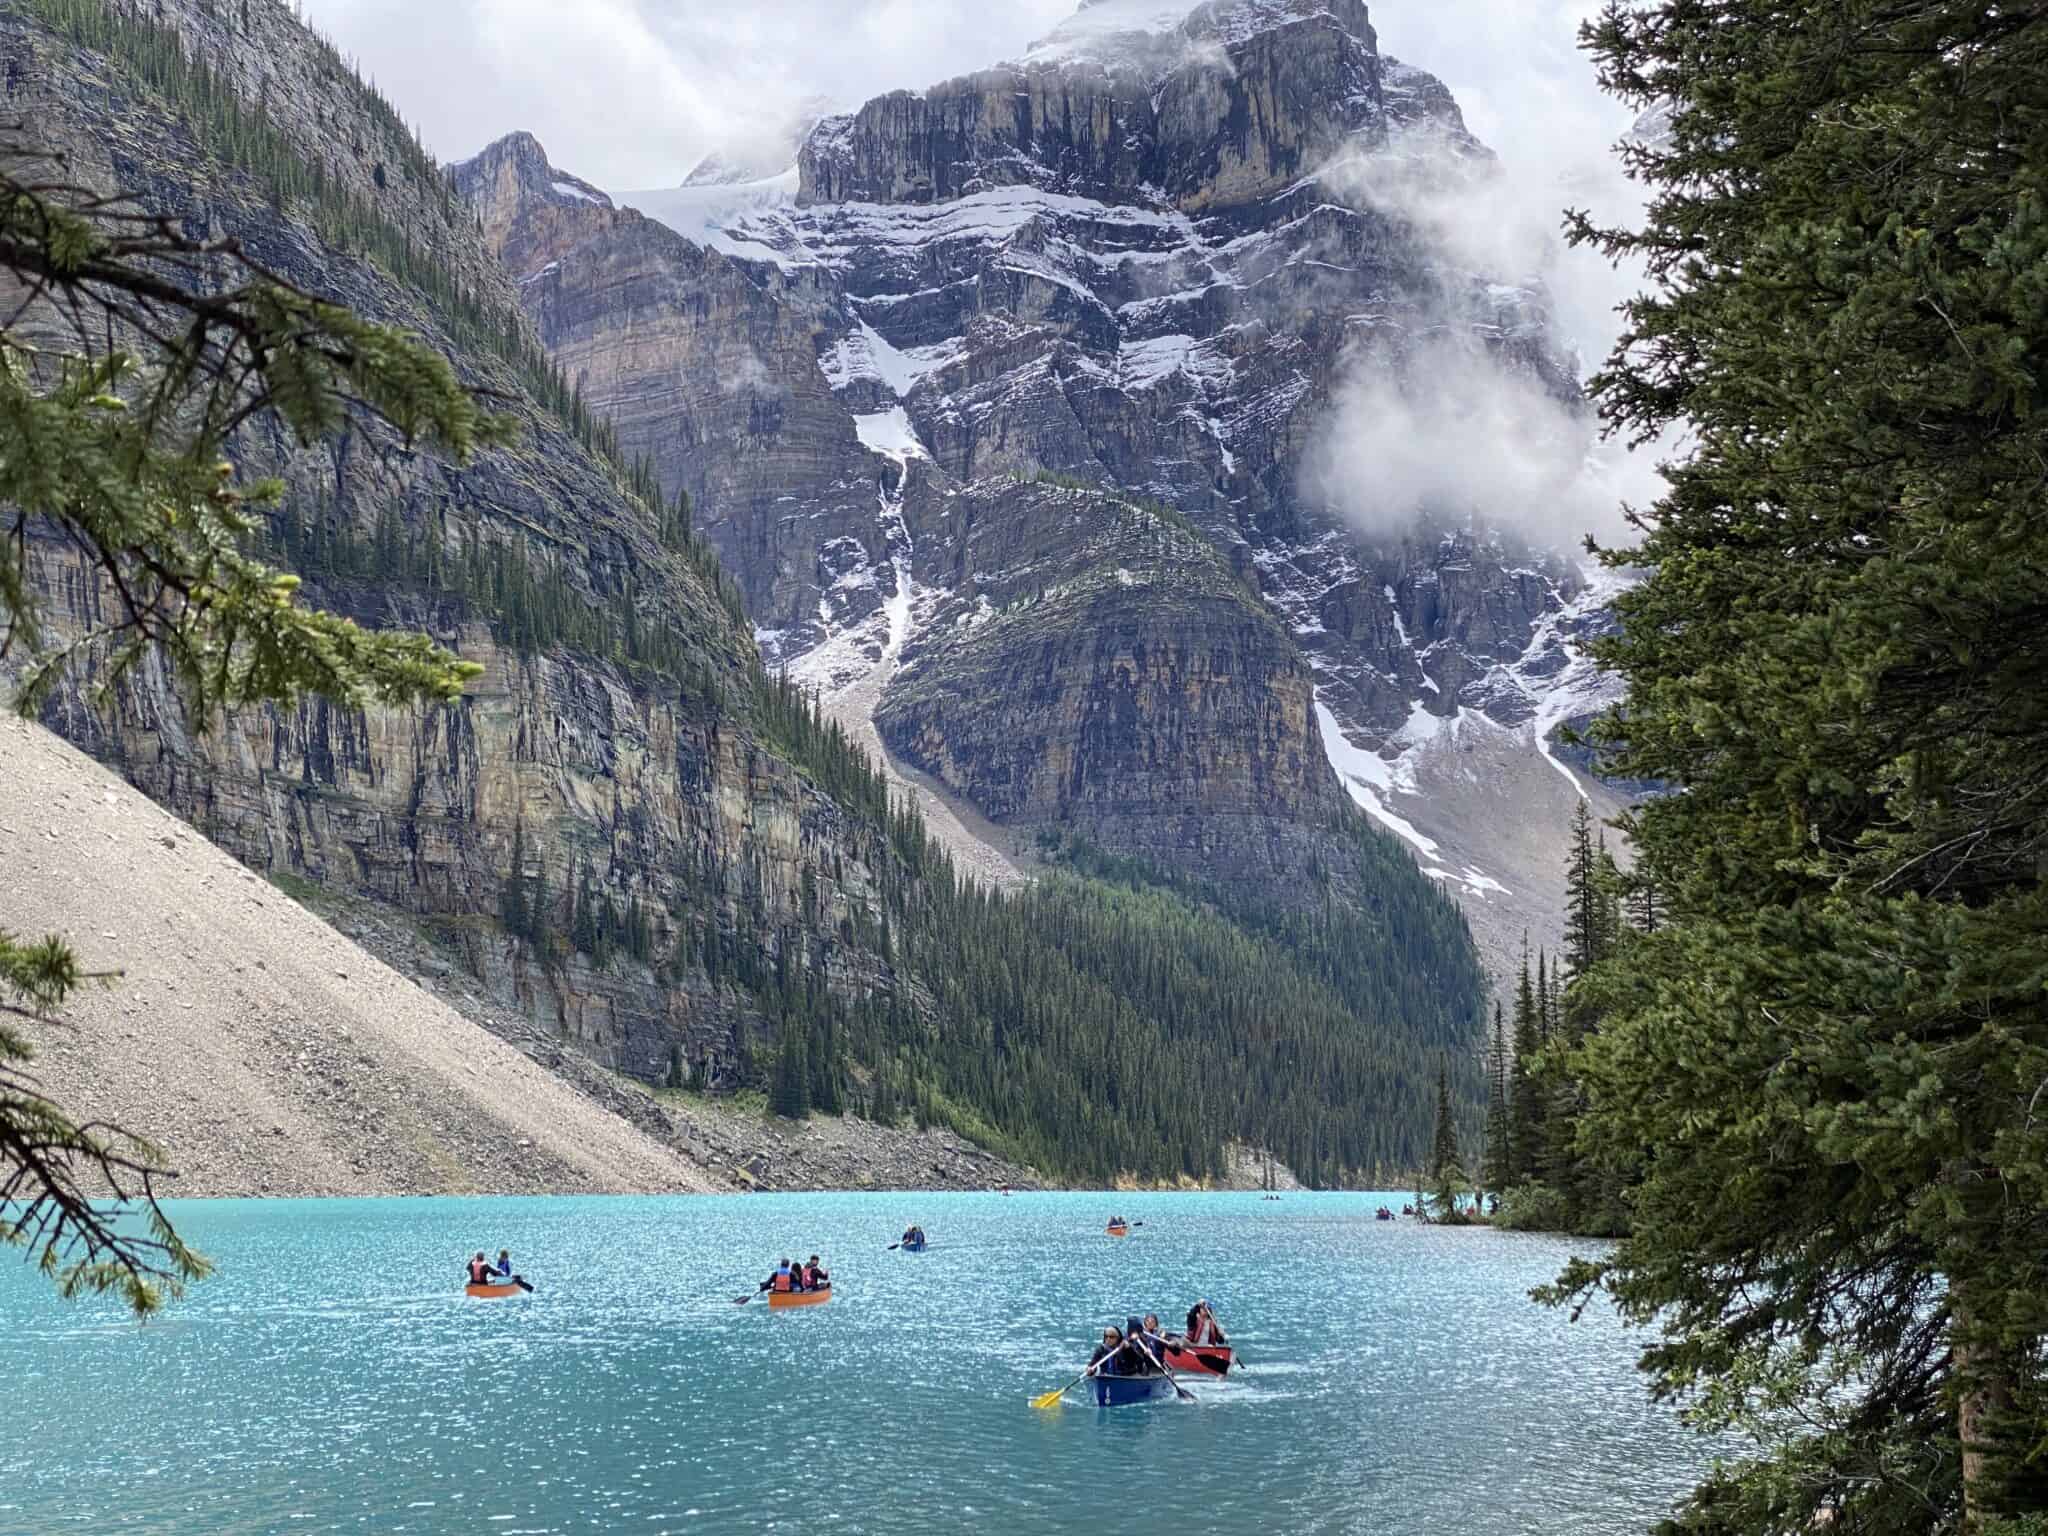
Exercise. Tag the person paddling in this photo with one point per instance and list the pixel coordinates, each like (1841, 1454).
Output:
(1138, 1356)
(783, 1280)
(815, 1278)
(480, 1269)
(505, 1263)
(1203, 1327)
(1104, 1361)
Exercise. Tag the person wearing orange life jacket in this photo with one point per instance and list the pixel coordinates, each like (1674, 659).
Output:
(783, 1280)
(480, 1270)
(815, 1278)
(1203, 1327)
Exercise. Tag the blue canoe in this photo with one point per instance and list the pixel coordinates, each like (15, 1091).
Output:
(1116, 1391)
(916, 1247)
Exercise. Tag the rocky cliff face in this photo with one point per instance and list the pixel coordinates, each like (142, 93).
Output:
(618, 755)
(1148, 258)
(1218, 109)
(1103, 672)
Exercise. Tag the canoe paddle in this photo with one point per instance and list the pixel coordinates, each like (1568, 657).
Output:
(1050, 1399)
(1180, 1390)
(523, 1284)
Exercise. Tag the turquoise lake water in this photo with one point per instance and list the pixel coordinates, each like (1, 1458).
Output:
(333, 1377)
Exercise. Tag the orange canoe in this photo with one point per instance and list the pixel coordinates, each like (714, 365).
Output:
(492, 1291)
(1118, 1231)
(799, 1298)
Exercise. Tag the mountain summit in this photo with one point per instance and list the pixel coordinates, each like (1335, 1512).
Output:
(1133, 99)
(1024, 419)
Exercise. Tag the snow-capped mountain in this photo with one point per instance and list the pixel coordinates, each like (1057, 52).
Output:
(1001, 405)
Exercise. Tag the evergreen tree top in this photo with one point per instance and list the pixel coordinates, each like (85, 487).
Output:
(123, 450)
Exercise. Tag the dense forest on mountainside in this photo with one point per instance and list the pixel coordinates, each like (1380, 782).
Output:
(1107, 1021)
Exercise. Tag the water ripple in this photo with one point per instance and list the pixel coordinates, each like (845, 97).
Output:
(333, 1378)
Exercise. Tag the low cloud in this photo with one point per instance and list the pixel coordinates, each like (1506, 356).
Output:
(1446, 430)
(1464, 423)
(631, 94)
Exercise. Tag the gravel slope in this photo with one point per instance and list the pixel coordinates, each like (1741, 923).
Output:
(265, 1053)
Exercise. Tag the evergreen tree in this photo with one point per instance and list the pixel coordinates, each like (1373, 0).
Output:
(1644, 914)
(1446, 1172)
(1585, 932)
(512, 910)
(1496, 1172)
(1527, 1138)
(1828, 1055)
(824, 1062)
(790, 1097)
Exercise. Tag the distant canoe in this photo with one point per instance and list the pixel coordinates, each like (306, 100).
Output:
(1118, 1231)
(1117, 1391)
(1202, 1359)
(491, 1292)
(916, 1247)
(799, 1298)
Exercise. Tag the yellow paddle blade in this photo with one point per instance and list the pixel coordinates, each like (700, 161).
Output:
(1049, 1399)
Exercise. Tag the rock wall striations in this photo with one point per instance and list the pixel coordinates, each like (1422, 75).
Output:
(1150, 257)
(618, 756)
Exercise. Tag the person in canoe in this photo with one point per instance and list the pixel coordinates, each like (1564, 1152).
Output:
(913, 1237)
(1104, 1361)
(1141, 1354)
(1155, 1340)
(480, 1272)
(814, 1276)
(504, 1267)
(1203, 1327)
(784, 1279)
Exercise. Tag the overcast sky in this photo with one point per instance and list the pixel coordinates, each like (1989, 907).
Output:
(628, 93)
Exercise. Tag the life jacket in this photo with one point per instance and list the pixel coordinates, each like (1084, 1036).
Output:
(783, 1281)
(1199, 1328)
(479, 1272)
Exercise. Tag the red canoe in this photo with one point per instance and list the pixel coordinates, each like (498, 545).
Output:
(1200, 1359)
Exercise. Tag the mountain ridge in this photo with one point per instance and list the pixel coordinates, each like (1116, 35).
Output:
(1017, 327)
